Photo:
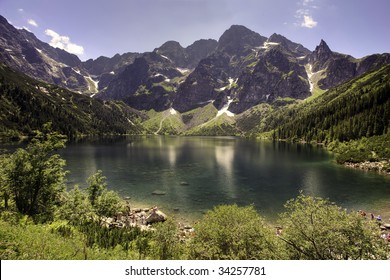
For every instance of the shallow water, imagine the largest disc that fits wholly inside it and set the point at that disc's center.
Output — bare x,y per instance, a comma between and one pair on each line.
197,173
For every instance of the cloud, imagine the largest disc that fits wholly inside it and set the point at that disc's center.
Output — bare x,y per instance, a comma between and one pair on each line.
32,22
20,10
304,13
307,2
63,42
308,22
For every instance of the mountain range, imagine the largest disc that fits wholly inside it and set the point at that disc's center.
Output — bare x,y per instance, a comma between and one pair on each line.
230,84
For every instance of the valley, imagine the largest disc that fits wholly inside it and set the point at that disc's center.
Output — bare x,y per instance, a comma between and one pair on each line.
201,131
243,84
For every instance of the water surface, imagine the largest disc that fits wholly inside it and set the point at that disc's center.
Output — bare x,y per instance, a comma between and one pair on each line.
197,173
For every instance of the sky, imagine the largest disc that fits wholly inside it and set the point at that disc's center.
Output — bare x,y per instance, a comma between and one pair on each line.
91,28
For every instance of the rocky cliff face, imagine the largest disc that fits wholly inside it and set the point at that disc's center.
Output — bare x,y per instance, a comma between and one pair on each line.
187,58
338,68
22,51
278,74
248,69
145,84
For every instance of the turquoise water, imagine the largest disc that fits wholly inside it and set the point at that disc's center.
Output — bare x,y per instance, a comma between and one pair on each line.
197,173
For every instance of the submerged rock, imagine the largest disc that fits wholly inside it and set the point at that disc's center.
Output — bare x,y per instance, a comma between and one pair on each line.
158,192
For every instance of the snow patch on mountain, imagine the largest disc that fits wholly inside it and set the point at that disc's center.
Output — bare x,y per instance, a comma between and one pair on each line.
93,85
183,70
267,45
172,111
224,109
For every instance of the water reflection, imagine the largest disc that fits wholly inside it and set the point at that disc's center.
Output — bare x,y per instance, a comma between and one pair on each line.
197,173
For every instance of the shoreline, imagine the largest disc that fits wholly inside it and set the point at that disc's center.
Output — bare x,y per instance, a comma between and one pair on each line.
368,166
178,217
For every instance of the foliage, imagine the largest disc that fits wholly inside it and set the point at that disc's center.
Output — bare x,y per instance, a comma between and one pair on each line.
166,244
232,232
108,204
96,186
374,148
104,202
35,177
48,242
77,208
104,237
316,229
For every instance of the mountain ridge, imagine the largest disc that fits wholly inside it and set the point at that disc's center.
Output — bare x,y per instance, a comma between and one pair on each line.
236,74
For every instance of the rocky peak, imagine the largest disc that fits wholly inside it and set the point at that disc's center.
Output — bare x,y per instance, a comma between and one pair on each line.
296,49
323,47
321,54
199,50
170,46
113,65
237,39
3,20
173,51
24,52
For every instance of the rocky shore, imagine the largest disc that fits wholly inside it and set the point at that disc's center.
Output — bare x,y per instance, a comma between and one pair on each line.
144,218
381,167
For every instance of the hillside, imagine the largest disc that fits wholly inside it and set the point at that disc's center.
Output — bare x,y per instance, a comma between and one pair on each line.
358,108
26,104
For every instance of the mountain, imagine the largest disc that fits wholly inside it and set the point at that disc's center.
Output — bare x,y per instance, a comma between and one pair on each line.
150,81
27,104
103,69
189,57
352,110
22,51
231,84
335,68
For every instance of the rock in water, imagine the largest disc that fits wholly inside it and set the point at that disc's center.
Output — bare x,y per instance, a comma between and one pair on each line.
155,217
157,192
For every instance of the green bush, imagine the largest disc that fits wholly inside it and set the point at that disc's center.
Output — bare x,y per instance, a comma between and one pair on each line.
316,229
232,232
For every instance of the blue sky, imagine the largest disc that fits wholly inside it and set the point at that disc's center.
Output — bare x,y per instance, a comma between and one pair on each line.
90,28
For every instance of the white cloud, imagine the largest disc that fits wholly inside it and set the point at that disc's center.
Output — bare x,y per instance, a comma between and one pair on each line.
63,42
20,10
307,2
32,22
308,22
304,13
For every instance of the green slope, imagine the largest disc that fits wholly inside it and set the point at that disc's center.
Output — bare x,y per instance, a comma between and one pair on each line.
356,109
26,104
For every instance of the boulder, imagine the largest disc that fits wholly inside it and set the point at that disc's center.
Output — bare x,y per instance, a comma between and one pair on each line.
386,226
155,216
158,192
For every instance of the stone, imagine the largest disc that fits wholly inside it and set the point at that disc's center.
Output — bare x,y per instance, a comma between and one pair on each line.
386,226
158,192
155,216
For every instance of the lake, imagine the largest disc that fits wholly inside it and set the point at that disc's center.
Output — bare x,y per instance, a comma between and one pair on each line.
193,174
